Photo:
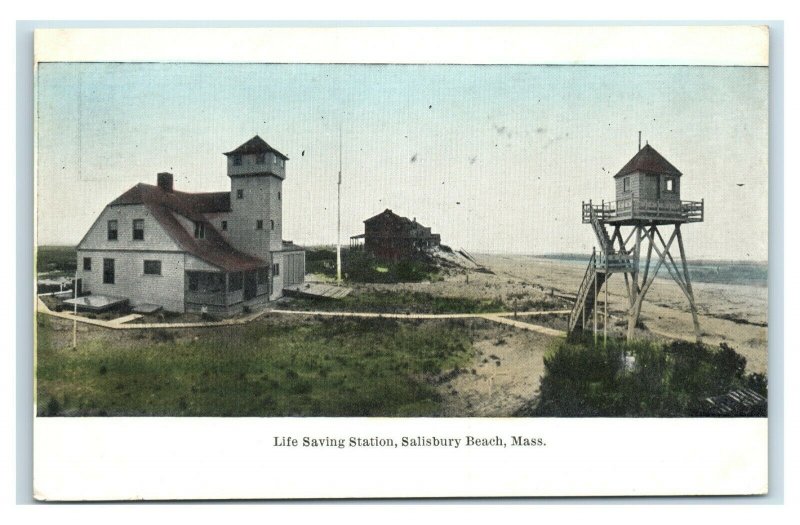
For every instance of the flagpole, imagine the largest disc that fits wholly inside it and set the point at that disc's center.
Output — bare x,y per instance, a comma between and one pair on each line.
339,214
75,312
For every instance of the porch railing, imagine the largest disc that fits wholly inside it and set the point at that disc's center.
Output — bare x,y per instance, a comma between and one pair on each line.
647,209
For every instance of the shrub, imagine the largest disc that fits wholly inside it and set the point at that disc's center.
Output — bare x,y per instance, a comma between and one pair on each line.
639,379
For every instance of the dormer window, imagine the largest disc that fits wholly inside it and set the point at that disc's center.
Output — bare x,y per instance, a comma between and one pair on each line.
237,160
199,230
261,158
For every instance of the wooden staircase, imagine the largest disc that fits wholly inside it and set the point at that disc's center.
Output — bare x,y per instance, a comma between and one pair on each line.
597,273
583,308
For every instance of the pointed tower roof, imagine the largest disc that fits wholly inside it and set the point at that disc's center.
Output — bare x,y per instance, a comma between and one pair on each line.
650,161
256,145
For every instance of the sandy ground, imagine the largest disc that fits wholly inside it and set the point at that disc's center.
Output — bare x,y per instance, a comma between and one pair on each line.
503,376
734,314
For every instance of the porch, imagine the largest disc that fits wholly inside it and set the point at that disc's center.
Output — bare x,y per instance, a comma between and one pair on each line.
220,291
631,210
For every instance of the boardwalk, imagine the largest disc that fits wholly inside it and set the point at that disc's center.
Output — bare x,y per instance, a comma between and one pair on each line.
124,323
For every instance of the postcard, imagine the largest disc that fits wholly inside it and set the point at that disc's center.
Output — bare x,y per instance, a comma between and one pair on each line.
401,262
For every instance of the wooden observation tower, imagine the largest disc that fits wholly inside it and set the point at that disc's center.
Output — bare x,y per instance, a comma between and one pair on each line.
648,201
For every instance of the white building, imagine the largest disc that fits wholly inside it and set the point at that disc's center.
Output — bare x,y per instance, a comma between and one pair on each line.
182,251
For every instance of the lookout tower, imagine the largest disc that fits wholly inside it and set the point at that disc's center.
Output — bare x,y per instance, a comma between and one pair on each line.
647,202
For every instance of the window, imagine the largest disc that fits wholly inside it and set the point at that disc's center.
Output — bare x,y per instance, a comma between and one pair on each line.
138,229
108,271
670,184
259,224
237,160
199,230
626,184
240,194
194,280
152,267
281,162
276,269
263,275
87,264
112,230
271,225
235,282
224,226
279,195
261,158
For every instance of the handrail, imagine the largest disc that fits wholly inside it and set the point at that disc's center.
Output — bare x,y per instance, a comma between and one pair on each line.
633,207
583,290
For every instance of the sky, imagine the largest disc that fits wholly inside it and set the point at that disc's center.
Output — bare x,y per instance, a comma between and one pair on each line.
495,158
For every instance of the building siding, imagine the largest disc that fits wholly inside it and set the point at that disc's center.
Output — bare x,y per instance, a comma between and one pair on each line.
155,238
294,268
165,290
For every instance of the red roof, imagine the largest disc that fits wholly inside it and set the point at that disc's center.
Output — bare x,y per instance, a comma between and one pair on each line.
256,145
650,161
165,205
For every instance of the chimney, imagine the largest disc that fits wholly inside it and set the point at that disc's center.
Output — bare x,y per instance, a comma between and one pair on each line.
640,141
165,181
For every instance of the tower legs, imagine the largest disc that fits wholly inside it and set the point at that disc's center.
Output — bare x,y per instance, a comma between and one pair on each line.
637,290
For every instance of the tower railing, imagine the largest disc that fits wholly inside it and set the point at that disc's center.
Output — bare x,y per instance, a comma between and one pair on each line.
634,208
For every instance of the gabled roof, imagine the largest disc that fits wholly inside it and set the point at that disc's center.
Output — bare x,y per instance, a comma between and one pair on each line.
388,214
166,206
256,145
650,161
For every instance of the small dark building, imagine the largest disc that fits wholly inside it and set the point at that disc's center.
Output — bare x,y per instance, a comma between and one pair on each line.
391,237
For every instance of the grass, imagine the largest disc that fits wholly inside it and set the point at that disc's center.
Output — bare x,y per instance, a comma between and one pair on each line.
361,267
661,379
56,260
399,301
370,367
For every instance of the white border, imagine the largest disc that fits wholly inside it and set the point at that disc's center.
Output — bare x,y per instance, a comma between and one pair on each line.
598,45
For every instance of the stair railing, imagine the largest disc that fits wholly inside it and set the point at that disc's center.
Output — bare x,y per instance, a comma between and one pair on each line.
583,291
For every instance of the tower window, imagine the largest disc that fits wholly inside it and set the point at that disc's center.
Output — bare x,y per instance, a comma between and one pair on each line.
259,224
261,158
199,230
138,229
224,226
112,230
240,194
237,160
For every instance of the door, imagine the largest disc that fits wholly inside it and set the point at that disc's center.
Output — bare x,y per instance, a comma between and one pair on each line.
655,186
108,271
250,285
